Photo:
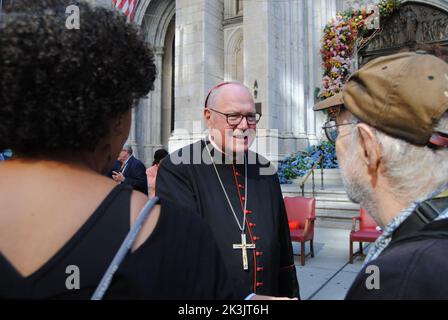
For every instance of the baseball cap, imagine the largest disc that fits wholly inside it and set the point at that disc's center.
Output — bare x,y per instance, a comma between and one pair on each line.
403,95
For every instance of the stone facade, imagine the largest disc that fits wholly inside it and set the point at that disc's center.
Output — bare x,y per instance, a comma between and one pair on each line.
271,46
415,23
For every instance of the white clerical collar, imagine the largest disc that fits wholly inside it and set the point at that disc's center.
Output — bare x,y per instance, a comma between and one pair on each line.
215,146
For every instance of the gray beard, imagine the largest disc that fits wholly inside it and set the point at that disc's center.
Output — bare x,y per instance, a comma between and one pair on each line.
357,187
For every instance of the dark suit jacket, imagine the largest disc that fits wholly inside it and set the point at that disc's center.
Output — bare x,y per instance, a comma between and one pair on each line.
134,173
116,168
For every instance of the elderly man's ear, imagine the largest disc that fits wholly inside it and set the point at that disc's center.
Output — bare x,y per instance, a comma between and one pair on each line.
207,114
371,151
207,118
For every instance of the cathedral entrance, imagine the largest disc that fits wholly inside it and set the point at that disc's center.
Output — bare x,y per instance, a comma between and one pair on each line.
153,119
168,105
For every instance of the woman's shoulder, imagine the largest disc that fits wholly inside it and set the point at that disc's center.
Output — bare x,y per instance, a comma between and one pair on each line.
152,171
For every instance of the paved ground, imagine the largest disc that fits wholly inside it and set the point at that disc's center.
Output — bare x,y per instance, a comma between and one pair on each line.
328,275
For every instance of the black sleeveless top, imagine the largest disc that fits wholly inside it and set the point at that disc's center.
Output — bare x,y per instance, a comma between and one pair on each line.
179,260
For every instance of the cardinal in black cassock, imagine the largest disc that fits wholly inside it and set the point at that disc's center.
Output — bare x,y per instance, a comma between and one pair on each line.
194,183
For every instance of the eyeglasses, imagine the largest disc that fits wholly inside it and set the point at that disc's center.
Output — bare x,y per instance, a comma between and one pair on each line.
331,129
235,119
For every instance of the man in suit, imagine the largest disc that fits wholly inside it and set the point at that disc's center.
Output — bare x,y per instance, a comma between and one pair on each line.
130,170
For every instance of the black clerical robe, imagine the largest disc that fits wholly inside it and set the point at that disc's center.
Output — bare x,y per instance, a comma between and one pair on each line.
188,178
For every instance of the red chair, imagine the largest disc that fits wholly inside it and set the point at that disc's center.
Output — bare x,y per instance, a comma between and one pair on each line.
301,216
367,232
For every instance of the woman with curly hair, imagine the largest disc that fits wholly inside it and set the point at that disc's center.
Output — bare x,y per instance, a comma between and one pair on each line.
65,111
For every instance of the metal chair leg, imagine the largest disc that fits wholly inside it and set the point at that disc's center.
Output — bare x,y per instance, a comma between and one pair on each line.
350,259
302,253
312,248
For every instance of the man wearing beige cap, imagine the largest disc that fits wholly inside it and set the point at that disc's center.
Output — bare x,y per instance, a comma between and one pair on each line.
390,126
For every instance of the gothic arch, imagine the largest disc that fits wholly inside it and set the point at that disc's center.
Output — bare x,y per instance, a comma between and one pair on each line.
234,55
154,18
439,4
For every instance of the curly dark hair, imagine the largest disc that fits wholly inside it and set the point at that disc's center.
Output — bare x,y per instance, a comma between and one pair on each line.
61,88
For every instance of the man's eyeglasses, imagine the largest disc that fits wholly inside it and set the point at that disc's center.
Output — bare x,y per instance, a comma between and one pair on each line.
331,129
235,119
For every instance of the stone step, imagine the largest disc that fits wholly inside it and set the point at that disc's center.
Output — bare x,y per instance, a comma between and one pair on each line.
335,219
337,214
333,223
328,172
336,180
333,207
336,205
330,176
333,190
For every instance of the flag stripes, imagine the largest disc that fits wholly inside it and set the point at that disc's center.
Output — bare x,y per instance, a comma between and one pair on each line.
127,7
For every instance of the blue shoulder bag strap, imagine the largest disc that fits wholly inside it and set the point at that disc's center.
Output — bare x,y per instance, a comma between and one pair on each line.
123,250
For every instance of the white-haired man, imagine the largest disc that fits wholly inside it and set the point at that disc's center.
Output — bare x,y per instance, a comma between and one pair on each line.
129,170
390,126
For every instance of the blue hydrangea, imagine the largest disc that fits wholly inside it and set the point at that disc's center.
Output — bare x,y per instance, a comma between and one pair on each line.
298,165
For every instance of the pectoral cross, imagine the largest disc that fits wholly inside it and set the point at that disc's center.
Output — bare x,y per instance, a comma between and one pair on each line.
244,246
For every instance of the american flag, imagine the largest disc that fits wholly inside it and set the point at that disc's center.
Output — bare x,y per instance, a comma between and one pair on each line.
127,7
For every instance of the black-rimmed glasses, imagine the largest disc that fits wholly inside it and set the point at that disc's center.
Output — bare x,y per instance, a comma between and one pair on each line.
331,129
235,119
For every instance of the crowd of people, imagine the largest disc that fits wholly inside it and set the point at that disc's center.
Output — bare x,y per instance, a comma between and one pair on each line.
130,170
219,228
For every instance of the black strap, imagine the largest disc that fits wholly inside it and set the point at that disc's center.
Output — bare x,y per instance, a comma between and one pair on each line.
428,210
413,228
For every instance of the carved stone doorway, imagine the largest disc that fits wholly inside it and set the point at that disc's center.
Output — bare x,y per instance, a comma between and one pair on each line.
413,24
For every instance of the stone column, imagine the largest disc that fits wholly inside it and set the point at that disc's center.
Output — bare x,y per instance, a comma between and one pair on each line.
282,52
302,56
256,68
199,64
131,139
151,115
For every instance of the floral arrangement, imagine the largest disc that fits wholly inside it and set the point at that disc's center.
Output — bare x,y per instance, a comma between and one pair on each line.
300,163
388,7
339,43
